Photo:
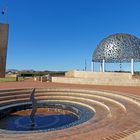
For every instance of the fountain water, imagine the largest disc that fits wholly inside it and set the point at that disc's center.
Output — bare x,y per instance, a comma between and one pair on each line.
29,114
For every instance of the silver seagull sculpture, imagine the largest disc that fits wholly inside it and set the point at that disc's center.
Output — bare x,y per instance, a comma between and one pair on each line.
34,107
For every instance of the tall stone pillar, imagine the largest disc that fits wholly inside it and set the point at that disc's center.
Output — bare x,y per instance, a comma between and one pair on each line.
3,47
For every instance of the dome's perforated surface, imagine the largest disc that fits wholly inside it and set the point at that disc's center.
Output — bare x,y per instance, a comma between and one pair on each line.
118,48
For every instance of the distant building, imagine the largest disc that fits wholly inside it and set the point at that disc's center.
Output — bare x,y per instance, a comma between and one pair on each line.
4,28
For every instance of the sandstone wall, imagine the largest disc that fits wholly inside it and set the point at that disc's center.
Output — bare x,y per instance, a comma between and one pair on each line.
98,78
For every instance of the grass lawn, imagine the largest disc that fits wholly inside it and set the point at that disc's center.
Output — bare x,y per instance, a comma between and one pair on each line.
10,79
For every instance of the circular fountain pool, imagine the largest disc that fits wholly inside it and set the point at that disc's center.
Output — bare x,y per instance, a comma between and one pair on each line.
87,114
50,116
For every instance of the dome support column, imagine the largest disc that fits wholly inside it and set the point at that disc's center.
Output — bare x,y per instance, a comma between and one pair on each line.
103,67
132,66
92,66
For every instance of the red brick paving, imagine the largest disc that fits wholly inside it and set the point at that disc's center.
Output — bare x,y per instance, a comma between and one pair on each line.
32,84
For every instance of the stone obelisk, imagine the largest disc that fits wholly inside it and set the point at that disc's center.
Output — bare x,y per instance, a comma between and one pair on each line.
4,28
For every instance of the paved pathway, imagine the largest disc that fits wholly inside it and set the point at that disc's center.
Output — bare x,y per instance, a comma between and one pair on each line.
66,133
32,84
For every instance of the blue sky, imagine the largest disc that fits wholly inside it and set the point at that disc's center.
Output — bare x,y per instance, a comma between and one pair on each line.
61,34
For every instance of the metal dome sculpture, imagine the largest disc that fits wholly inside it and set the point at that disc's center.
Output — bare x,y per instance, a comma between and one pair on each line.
118,48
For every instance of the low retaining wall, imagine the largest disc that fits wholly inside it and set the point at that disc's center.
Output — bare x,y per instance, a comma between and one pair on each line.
97,78
100,75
